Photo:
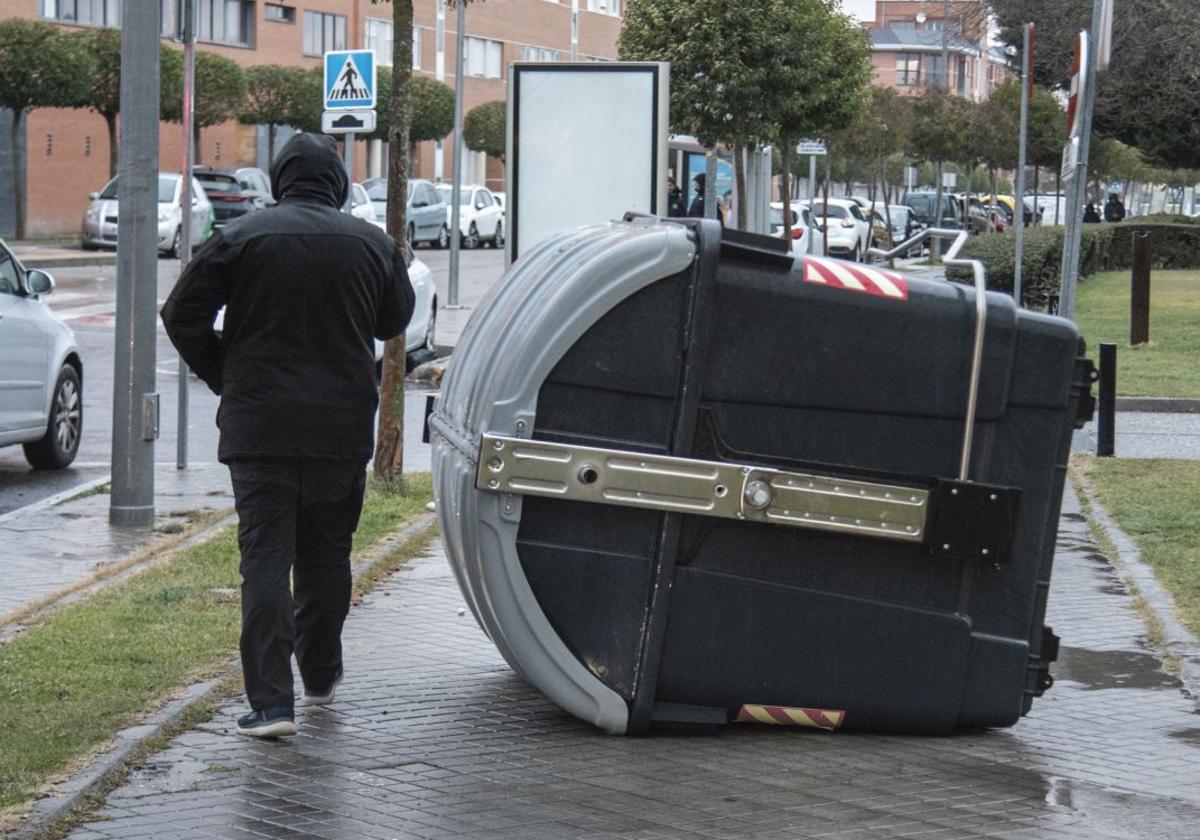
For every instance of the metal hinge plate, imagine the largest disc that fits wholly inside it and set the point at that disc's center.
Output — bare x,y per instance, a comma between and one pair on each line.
706,488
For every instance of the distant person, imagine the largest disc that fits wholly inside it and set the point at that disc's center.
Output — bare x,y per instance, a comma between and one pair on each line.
696,208
676,206
1114,209
1090,216
306,290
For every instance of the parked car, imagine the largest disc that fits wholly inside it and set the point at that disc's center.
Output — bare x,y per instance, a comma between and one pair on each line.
255,182
41,371
804,232
100,219
977,215
359,205
421,327
923,202
502,200
904,224
845,227
426,212
224,190
880,234
1009,204
480,218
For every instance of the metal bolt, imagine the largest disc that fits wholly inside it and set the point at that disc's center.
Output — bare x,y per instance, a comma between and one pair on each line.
520,425
862,492
496,464
912,529
984,552
498,445
758,494
992,497
945,546
494,483
954,491
912,498
508,508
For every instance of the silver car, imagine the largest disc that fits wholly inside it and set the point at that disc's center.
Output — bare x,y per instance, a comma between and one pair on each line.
41,372
100,219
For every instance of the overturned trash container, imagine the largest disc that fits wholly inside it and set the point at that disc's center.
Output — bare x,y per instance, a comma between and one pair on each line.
685,478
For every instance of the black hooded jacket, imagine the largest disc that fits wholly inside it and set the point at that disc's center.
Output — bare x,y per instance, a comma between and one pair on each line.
305,288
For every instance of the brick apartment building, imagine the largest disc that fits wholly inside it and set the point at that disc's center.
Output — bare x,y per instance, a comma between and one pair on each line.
907,42
67,150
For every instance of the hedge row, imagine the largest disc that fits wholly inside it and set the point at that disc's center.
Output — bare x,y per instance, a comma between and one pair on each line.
1174,244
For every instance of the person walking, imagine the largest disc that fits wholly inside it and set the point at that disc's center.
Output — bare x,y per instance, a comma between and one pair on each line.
306,290
1114,209
1090,215
675,204
696,208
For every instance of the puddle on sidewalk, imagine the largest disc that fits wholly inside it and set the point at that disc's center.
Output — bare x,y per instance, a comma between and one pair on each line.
1104,669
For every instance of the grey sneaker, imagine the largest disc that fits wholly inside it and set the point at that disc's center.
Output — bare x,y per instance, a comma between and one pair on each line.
276,722
324,695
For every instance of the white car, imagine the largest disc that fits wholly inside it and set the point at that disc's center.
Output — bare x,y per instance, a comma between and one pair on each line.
420,332
41,372
480,217
100,219
359,205
804,234
846,228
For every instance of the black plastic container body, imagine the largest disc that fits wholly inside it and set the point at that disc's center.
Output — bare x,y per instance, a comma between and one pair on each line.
754,358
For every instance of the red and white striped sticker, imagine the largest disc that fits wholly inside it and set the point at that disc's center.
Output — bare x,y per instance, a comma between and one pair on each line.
827,719
839,274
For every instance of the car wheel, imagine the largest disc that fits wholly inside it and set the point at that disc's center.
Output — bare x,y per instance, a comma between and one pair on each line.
471,240
88,246
56,449
176,244
443,240
410,236
856,256
498,239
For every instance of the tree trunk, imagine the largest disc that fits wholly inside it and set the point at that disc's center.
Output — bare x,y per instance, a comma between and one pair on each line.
110,119
18,168
1057,196
887,205
785,154
389,446
825,239
739,174
1037,185
271,128
197,158
1018,214
935,245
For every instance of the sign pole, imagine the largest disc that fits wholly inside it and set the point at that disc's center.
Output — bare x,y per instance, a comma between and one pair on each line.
1072,246
1019,215
135,403
185,222
349,156
456,180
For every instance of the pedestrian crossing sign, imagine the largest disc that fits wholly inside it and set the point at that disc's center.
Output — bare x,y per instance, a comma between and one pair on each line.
350,79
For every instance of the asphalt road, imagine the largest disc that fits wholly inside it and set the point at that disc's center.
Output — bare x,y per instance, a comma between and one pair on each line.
86,298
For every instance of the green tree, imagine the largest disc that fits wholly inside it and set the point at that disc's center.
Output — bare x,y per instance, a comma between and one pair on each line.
220,94
104,93
940,133
484,129
723,61
827,90
39,68
277,96
432,111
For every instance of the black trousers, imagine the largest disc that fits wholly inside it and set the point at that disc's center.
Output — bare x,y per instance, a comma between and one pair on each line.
296,516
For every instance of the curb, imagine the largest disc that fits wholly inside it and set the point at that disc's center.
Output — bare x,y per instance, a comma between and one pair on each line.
1161,405
88,261
1179,641
47,812
56,499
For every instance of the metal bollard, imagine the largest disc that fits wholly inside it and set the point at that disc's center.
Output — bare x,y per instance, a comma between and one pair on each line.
1106,415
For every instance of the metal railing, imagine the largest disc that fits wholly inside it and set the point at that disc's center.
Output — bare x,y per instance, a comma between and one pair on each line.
954,261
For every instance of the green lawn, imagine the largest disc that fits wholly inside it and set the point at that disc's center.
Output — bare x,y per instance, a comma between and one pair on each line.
1157,503
85,671
1169,366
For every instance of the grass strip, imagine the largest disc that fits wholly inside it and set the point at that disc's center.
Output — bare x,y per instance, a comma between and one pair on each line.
1157,503
1169,366
89,669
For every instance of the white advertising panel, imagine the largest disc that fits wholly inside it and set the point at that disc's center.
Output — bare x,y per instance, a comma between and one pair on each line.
586,144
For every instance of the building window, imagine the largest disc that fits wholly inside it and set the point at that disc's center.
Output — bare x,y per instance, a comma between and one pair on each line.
379,38
605,7
961,69
540,54
908,69
417,43
225,22
323,32
283,14
484,58
91,12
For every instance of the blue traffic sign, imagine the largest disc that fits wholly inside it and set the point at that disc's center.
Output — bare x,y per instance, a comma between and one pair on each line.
349,79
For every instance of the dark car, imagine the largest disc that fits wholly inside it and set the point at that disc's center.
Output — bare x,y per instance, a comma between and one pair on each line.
229,201
923,203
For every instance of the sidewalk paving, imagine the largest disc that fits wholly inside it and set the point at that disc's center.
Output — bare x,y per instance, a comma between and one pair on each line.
433,736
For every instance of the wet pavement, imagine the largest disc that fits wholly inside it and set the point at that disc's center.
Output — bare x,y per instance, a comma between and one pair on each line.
1141,434
433,736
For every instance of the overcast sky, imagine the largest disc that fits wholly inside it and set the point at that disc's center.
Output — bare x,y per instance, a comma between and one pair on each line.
861,9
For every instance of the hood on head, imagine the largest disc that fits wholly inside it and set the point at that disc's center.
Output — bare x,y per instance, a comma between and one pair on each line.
308,166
